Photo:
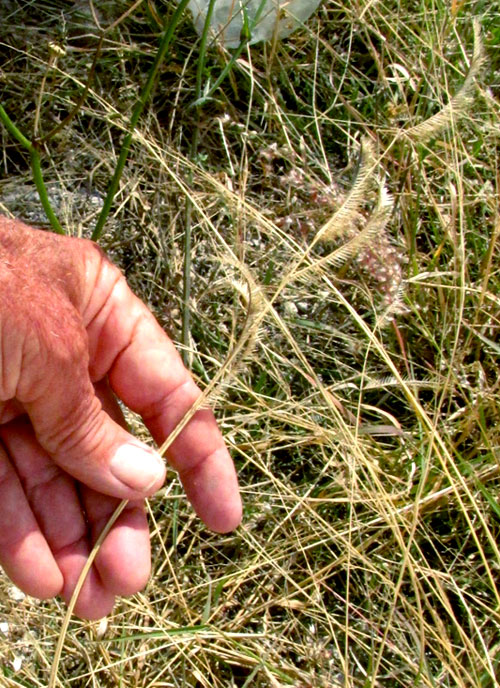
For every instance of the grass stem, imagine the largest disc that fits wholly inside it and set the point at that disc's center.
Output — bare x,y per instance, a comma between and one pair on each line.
36,168
170,26
42,191
186,281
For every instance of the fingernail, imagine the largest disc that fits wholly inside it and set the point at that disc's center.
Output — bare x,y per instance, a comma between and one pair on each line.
138,467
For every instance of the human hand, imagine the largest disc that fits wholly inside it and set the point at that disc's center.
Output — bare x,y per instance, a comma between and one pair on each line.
72,336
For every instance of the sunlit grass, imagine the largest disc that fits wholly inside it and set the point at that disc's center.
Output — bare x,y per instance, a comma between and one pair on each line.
363,420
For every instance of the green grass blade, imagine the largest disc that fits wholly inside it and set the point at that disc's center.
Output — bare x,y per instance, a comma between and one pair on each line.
168,33
36,168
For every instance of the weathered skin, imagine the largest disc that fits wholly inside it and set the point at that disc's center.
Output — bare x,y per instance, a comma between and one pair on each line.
72,336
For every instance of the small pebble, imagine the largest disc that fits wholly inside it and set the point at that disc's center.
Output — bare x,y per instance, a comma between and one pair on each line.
17,663
16,594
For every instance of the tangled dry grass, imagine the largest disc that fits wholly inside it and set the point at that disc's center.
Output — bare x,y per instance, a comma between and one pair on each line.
341,192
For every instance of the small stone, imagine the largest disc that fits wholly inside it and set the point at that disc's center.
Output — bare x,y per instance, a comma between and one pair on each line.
102,628
16,594
291,309
17,663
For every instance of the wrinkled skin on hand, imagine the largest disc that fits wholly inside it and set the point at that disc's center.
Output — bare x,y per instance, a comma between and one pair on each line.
73,338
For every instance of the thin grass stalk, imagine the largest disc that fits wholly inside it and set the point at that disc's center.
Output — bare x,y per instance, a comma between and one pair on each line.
81,99
51,63
203,48
36,169
170,26
186,279
74,598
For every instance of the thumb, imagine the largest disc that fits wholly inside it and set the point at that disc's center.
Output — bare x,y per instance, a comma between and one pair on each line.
81,436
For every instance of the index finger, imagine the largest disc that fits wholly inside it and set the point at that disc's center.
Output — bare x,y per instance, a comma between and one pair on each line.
147,374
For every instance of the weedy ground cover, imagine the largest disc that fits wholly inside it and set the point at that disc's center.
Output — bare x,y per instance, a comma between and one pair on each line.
336,194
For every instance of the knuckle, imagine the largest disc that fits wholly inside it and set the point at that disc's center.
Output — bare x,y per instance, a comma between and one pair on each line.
61,345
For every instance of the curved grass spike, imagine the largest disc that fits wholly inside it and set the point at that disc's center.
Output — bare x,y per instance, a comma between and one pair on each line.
36,168
374,225
457,105
170,26
347,212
